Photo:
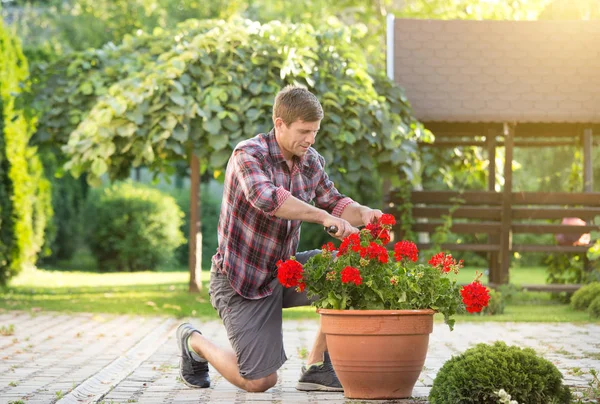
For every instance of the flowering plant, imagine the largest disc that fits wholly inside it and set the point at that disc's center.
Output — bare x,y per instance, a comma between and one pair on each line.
364,275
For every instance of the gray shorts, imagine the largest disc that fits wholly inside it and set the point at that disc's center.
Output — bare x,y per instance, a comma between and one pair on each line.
254,327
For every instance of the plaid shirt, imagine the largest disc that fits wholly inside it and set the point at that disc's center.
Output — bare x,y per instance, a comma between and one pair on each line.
257,183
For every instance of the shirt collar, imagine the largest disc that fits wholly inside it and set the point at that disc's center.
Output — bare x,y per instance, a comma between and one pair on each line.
275,150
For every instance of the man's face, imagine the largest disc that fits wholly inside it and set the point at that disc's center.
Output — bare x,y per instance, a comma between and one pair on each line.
294,140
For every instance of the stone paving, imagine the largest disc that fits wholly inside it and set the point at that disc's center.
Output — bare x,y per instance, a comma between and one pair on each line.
85,358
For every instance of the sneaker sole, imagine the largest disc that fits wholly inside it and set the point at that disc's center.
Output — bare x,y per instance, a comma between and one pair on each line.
317,387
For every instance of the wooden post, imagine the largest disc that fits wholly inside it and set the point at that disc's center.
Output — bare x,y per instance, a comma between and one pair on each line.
588,173
195,249
506,232
493,257
588,177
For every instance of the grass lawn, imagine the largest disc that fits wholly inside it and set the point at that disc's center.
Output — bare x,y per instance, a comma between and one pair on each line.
165,293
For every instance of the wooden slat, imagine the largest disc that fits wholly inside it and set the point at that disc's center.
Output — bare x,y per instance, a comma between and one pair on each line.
555,213
466,212
445,197
552,229
548,143
556,198
567,287
524,130
552,288
463,247
451,143
481,227
549,248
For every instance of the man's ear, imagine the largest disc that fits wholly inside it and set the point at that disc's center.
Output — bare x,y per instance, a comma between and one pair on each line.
279,123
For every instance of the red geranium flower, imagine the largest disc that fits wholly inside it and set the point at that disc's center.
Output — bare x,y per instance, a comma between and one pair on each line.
387,220
375,250
379,233
351,274
406,249
328,248
475,297
352,241
290,273
445,262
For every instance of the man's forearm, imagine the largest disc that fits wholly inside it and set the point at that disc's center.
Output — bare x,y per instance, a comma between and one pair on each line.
295,209
353,213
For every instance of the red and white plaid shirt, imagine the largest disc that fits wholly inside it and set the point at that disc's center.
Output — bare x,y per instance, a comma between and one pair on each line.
257,183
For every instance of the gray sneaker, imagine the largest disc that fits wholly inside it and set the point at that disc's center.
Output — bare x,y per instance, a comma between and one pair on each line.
193,373
319,378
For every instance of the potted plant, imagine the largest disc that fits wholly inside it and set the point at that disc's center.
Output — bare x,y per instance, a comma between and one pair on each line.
377,307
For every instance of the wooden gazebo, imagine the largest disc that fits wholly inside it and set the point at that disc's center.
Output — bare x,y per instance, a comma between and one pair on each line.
508,84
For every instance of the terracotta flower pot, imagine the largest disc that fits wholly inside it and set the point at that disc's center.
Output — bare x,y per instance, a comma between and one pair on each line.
377,354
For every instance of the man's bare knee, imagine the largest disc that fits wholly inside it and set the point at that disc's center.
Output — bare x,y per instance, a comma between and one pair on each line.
260,385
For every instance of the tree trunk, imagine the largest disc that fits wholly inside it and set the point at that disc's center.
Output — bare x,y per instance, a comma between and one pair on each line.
195,250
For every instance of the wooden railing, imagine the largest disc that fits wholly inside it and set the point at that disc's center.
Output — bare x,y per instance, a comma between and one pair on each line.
500,215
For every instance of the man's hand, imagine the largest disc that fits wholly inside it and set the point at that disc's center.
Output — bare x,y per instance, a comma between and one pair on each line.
344,229
369,215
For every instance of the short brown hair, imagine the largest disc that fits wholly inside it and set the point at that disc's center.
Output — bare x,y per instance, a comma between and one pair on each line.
296,103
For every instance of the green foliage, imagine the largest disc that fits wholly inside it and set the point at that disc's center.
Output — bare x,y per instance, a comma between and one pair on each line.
585,295
564,268
24,193
312,236
594,308
65,232
207,85
495,305
476,374
132,228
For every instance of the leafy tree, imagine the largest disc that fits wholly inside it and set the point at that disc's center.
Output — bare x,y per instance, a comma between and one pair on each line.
24,192
198,90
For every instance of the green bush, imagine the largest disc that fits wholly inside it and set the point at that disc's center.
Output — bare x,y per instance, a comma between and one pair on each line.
585,295
473,376
495,305
24,192
132,227
65,233
594,308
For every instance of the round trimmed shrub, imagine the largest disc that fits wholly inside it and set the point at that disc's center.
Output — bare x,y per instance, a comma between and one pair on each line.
132,227
594,308
473,376
585,295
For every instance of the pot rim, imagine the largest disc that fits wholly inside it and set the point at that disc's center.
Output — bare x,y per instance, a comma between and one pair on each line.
415,312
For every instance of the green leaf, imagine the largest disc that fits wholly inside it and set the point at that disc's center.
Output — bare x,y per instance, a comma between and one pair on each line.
127,130
219,158
252,114
219,141
212,126
169,122
177,99
148,153
333,301
98,167
180,134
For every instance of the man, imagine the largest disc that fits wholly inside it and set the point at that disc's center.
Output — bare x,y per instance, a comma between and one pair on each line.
270,182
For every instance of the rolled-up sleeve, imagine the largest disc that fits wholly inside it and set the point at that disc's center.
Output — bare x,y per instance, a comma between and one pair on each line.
327,196
256,184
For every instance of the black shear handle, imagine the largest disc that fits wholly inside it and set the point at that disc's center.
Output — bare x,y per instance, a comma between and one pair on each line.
331,229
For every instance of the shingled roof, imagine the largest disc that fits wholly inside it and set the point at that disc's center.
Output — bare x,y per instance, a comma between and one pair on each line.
499,71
